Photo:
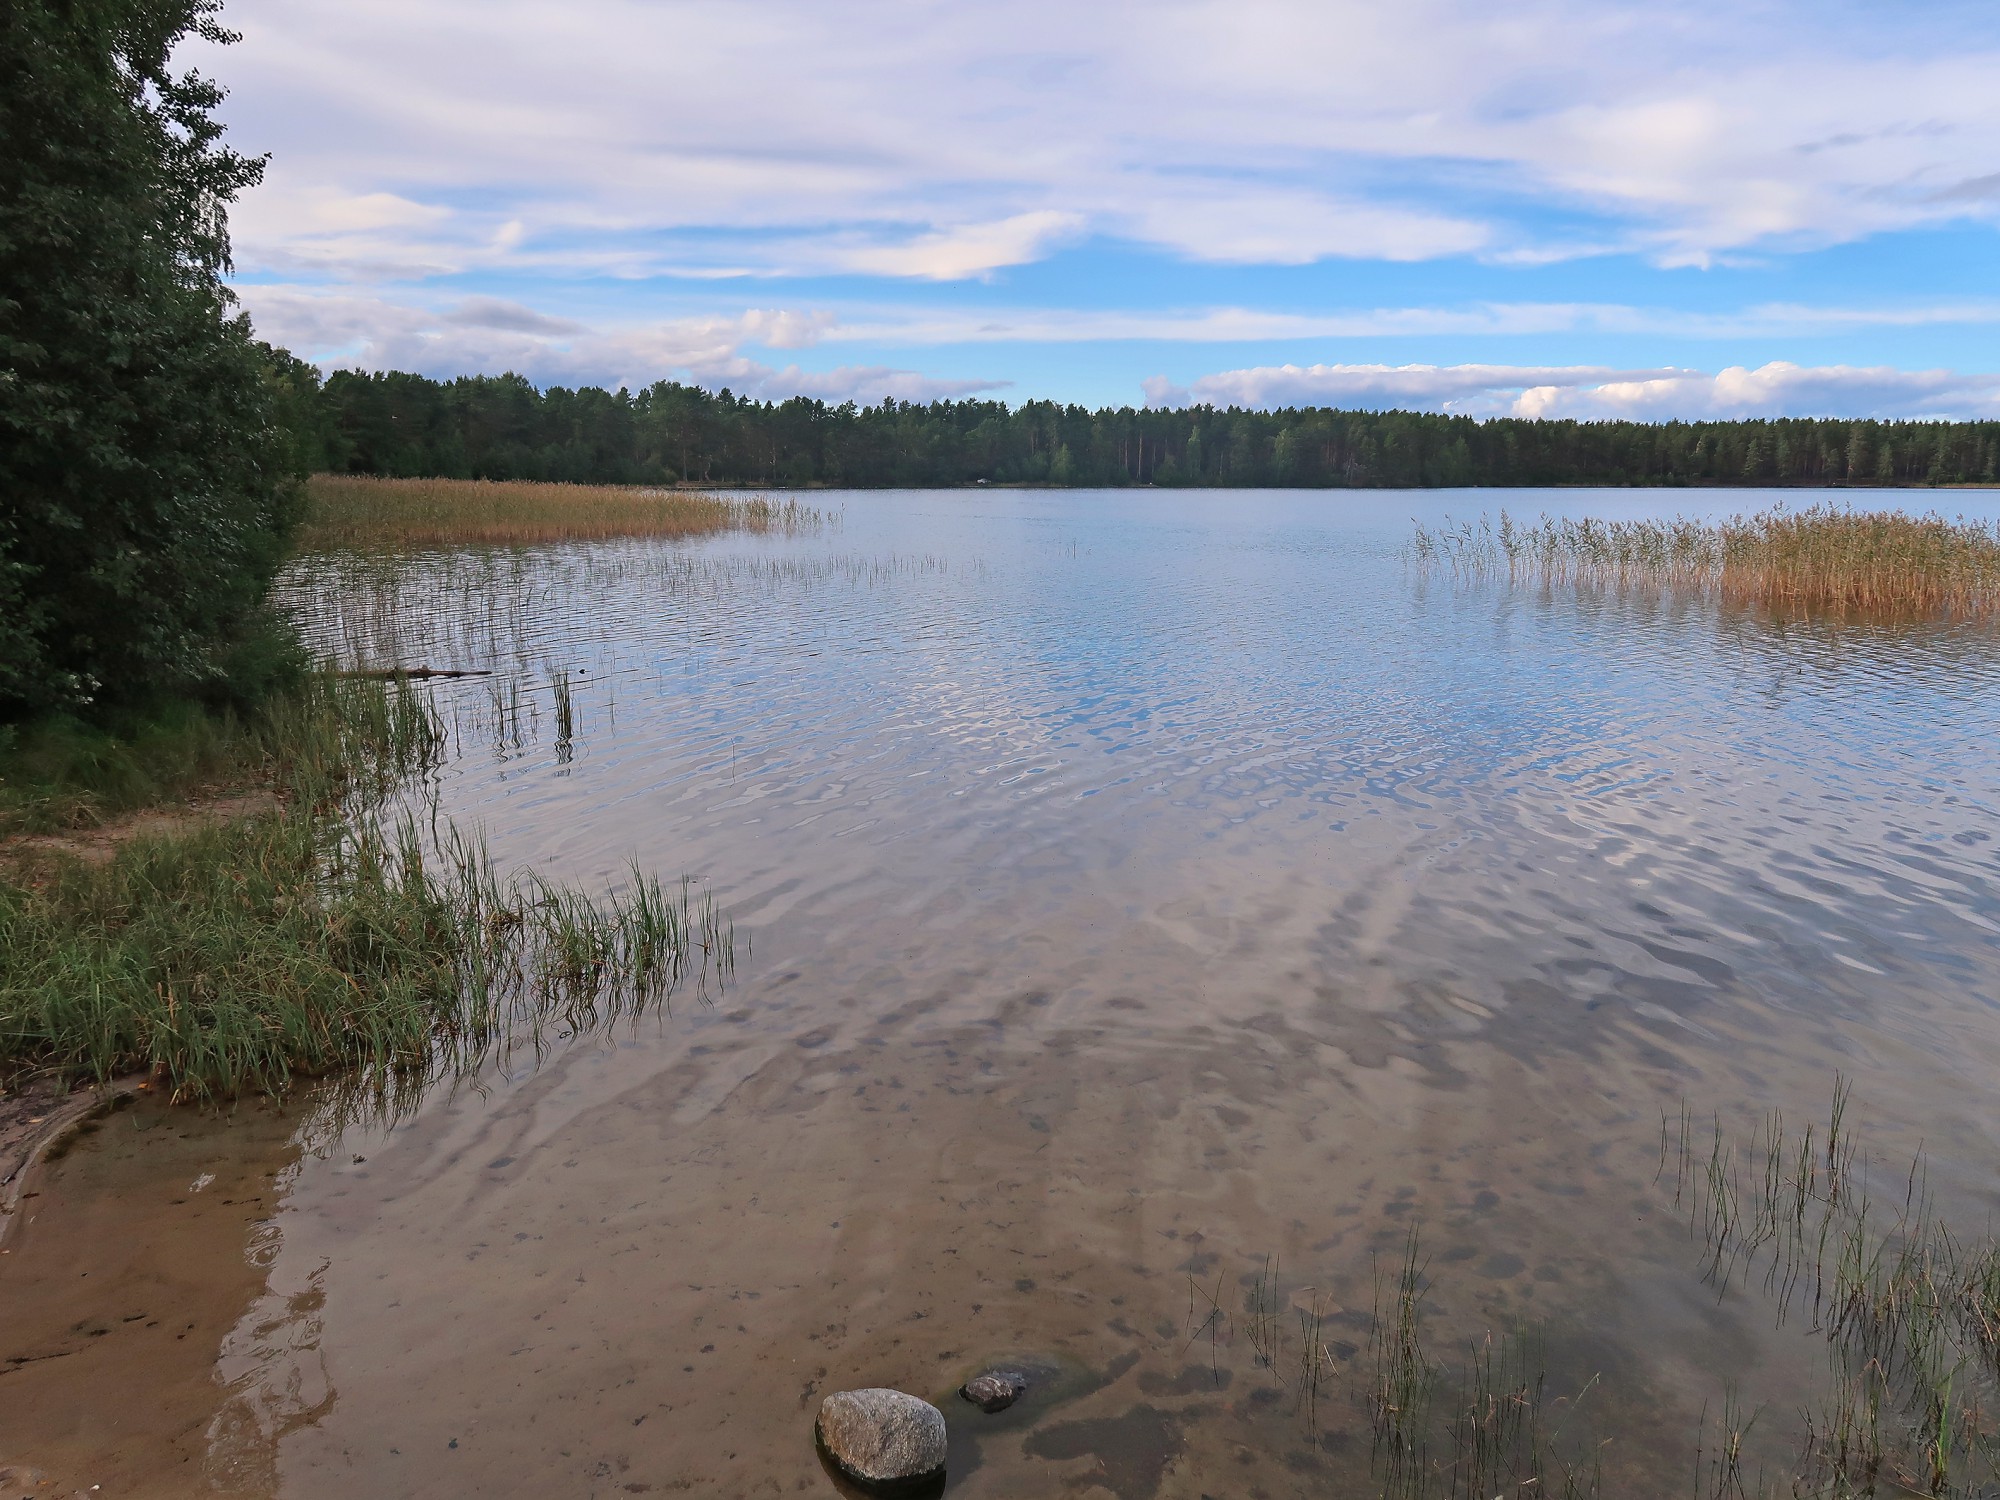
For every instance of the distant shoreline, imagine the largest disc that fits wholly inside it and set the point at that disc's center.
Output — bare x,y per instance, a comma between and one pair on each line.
819,487
504,427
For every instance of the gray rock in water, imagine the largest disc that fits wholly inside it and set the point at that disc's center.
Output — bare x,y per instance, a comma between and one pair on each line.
882,1438
996,1390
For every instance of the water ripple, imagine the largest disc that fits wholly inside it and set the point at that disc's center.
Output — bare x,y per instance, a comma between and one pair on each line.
1541,817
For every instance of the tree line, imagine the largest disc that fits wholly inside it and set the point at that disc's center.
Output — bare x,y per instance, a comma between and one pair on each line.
504,427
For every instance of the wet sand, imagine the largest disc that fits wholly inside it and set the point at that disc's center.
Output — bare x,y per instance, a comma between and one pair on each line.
143,1243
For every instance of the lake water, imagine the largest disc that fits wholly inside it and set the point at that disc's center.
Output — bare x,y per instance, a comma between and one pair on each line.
1151,907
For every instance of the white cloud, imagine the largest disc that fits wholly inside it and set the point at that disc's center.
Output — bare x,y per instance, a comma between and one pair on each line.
969,250
1285,226
1781,388
488,336
366,330
928,139
1586,392
1429,387
784,329
320,209
1243,324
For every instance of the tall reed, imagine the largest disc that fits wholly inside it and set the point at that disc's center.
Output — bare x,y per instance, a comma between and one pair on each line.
1871,561
365,512
1819,559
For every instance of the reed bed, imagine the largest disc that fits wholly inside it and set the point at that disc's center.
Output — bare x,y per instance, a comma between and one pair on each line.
364,512
326,934
1821,559
1868,561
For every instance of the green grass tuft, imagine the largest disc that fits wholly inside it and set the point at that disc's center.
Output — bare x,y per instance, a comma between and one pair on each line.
320,935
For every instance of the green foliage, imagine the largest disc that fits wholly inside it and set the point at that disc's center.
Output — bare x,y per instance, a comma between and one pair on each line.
62,772
502,427
314,937
304,422
149,485
235,956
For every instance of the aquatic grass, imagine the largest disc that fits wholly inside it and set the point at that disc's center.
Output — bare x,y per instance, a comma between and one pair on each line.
1212,1323
1679,552
1485,1430
363,512
518,611
324,934
1311,1366
565,711
1488,1429
1263,1328
1718,1470
1316,1362
1908,1309
1821,559
1405,1380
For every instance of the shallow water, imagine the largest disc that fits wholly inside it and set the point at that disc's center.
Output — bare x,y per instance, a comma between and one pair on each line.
1143,901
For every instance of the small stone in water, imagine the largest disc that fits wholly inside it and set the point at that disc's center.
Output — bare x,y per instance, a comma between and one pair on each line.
996,1390
882,1437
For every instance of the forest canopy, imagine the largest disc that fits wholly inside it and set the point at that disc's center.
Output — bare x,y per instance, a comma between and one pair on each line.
504,427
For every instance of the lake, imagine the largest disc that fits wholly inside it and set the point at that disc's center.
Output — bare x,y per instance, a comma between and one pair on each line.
1153,909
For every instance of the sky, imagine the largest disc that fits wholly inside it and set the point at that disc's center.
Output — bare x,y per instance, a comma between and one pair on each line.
1541,207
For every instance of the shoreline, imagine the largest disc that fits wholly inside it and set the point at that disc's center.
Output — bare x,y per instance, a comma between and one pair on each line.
37,1119
819,487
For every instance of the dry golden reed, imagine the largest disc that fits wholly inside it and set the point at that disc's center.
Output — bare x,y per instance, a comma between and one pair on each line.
1821,559
1871,561
363,511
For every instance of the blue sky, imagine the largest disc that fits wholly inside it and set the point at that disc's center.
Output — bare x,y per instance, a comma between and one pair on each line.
1566,207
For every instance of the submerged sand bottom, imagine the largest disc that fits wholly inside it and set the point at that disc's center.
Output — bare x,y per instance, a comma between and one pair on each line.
141,1244
638,1269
